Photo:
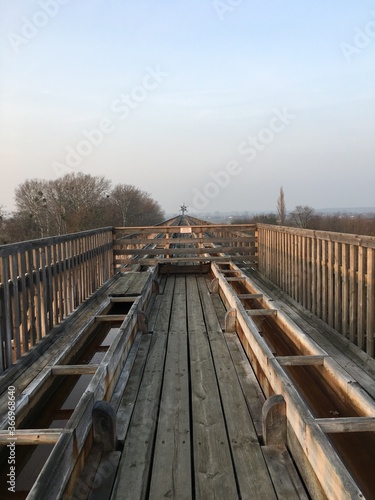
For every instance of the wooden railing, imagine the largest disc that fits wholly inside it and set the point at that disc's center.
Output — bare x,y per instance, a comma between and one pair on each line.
330,274
184,244
42,281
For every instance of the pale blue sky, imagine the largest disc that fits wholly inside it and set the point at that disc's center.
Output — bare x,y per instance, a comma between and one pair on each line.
225,68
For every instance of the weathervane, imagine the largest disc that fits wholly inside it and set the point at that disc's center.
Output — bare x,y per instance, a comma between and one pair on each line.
183,209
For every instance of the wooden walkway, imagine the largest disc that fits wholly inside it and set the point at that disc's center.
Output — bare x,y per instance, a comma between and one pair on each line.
190,417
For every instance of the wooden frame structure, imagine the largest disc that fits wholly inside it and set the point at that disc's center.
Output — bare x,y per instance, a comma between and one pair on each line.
142,245
330,274
43,281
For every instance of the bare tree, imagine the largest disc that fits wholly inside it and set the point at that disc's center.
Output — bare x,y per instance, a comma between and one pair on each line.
131,207
72,203
302,215
76,202
281,209
32,209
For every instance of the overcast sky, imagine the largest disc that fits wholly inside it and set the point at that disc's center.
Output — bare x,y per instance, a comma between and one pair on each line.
212,103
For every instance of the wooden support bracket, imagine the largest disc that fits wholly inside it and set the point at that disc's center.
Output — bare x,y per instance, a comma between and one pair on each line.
142,322
274,421
214,286
155,287
230,320
104,425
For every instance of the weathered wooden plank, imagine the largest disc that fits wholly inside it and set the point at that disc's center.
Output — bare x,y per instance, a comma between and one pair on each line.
126,402
285,478
131,284
370,317
124,377
16,307
32,436
110,317
203,258
171,473
353,294
134,469
261,312
183,251
250,386
330,278
213,469
73,369
7,311
105,476
361,302
346,424
250,295
250,469
24,305
337,286
123,299
301,360
344,292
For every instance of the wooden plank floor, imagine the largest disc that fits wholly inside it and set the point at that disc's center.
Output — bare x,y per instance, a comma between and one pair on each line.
189,416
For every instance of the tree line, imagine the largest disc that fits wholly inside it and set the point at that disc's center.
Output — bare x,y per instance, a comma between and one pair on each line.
73,203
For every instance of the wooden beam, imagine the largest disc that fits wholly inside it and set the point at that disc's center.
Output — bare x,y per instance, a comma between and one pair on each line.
123,299
236,278
31,436
111,317
73,369
346,424
301,360
250,295
261,312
